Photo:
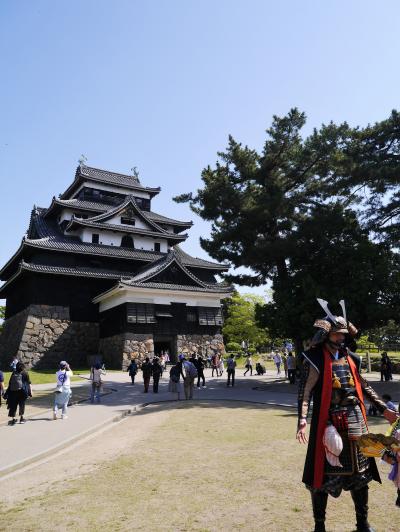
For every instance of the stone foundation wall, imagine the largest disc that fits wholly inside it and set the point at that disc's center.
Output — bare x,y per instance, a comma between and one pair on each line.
10,338
42,335
118,350
200,344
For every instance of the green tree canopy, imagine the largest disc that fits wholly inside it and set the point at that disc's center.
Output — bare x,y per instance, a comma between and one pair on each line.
240,323
291,215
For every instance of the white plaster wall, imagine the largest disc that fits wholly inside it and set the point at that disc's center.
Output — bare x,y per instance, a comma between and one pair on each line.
66,214
159,297
116,220
109,238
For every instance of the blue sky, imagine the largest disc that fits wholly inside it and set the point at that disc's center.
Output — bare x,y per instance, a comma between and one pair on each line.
159,84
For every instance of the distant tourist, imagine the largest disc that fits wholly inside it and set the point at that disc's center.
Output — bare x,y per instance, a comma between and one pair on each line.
291,365
146,370
200,364
96,374
162,362
221,366
132,370
249,365
63,390
214,365
386,367
14,362
388,400
285,366
18,391
189,373
278,362
156,371
260,369
174,377
230,369
166,358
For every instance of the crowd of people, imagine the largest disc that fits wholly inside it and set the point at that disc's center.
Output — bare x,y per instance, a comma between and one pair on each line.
186,374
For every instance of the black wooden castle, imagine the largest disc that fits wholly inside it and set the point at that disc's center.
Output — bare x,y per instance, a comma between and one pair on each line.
100,273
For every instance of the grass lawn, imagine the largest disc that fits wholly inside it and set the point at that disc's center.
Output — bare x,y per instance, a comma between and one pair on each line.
205,467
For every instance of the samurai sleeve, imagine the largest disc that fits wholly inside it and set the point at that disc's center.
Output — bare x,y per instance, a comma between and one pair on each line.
372,396
308,380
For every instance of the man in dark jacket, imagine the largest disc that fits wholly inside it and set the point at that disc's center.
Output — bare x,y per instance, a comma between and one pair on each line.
331,376
199,364
156,371
132,370
147,368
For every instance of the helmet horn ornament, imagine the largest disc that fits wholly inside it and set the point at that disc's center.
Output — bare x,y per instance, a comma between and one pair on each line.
343,305
324,305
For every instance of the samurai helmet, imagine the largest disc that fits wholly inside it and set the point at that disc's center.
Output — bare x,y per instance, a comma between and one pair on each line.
331,323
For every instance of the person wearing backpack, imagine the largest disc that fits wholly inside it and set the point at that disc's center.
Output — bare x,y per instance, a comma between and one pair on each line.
18,391
96,374
189,372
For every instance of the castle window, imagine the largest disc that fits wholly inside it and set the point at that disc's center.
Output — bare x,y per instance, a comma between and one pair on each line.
128,221
140,313
127,242
191,315
157,246
210,316
95,238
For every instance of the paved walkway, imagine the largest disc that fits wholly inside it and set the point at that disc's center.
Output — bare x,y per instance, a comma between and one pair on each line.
41,436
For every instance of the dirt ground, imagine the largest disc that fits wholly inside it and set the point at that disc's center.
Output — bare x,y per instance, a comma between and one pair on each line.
208,467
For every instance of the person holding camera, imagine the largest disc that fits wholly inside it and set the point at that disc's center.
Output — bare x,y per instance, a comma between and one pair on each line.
63,390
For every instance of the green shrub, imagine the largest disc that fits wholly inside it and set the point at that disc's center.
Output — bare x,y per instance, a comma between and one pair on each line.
233,347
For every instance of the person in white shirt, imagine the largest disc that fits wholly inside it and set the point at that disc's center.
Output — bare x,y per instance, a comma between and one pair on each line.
278,362
63,390
248,366
96,373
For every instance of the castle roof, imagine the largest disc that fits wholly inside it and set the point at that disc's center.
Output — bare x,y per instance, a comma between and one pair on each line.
99,208
105,177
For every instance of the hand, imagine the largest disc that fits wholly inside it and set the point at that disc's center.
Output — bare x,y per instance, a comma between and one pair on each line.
390,415
301,435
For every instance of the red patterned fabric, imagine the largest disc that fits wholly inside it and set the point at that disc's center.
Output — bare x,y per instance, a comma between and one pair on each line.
326,394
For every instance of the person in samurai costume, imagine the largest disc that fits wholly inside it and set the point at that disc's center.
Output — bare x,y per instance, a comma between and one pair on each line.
331,377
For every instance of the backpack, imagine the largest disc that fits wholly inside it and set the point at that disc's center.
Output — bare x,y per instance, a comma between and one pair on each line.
231,363
190,370
15,382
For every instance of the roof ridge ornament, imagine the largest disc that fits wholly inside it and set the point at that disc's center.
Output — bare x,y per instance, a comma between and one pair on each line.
135,173
82,160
